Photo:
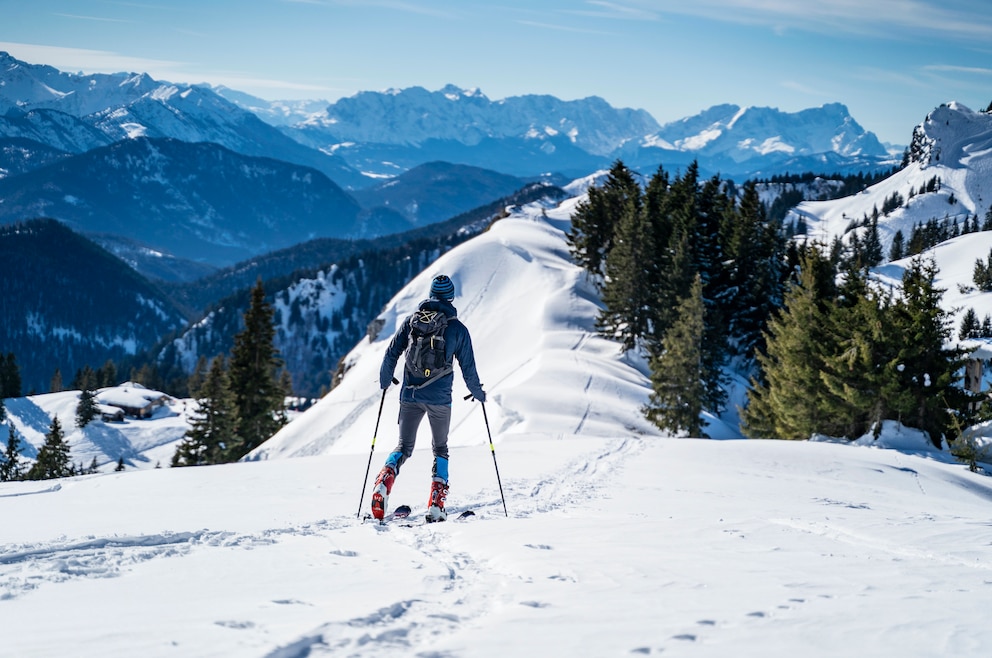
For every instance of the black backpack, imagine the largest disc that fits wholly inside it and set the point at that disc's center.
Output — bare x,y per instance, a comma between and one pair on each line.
425,355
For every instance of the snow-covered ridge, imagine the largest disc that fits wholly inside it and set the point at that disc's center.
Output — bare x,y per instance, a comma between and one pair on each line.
531,313
952,146
744,133
415,115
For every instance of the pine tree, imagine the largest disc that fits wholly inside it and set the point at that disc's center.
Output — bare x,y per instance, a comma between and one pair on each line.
898,248
856,372
11,468
53,459
784,401
970,326
10,377
755,254
85,379
594,221
678,377
120,464
107,374
254,374
982,275
925,395
872,247
629,292
55,386
213,434
86,410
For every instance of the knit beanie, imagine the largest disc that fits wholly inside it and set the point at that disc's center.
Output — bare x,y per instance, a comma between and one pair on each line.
442,288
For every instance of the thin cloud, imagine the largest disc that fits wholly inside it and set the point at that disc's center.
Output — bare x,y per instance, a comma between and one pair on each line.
101,19
616,11
946,68
396,5
101,61
561,28
90,61
882,18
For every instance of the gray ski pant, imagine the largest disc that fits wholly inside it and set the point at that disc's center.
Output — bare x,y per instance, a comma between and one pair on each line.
411,414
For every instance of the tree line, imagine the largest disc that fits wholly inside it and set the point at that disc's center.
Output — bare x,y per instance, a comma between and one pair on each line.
695,275
689,272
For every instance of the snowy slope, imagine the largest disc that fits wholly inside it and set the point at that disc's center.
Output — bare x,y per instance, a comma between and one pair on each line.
953,145
614,546
616,540
143,443
531,313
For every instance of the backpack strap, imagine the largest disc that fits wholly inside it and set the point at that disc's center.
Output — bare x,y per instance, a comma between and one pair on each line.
436,374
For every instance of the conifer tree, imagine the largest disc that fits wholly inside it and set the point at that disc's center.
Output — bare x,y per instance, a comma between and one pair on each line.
970,326
629,291
784,402
683,209
982,274
872,248
10,377
55,386
594,221
925,394
898,248
856,373
10,468
86,410
755,255
254,373
85,379
53,459
678,376
213,434
107,374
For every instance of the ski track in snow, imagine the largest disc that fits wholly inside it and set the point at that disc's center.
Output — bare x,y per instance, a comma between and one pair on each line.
468,589
26,567
471,587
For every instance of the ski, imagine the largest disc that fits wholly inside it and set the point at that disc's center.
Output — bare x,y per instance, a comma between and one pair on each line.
400,512
467,514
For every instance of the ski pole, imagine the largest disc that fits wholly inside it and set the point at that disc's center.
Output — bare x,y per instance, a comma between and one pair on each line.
365,482
492,449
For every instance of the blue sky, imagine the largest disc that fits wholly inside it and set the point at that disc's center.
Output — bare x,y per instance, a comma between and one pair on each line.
889,61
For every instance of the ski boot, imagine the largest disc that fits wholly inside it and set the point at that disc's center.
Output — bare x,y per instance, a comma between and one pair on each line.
380,493
435,505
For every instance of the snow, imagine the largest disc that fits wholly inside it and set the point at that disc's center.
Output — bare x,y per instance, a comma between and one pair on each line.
143,443
613,546
617,540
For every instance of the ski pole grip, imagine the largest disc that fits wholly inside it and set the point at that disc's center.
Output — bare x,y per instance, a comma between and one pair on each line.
467,396
396,381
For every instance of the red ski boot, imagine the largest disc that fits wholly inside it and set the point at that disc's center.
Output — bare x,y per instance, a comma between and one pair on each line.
435,505
380,493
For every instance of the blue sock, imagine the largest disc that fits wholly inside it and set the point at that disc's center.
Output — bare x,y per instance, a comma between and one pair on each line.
393,460
441,468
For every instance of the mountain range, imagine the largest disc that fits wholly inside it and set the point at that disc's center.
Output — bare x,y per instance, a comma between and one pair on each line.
171,174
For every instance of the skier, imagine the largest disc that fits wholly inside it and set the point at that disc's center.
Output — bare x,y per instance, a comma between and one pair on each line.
431,338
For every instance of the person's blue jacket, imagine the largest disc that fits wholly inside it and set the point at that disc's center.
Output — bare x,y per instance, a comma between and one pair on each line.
458,344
